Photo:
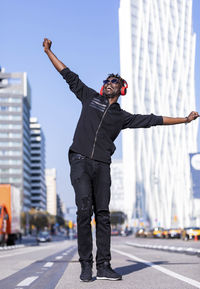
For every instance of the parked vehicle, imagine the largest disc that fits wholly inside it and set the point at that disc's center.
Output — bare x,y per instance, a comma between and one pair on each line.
165,233
44,236
10,209
157,232
148,233
140,232
174,233
115,232
190,233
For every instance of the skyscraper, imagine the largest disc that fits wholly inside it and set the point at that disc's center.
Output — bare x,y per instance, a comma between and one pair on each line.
50,175
157,54
15,105
117,190
38,184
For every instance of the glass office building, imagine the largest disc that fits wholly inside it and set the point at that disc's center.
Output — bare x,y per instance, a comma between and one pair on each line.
157,55
15,105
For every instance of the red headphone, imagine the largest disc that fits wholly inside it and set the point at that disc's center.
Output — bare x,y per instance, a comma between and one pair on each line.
123,90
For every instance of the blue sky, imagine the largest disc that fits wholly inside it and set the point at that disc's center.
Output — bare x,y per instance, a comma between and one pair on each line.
85,37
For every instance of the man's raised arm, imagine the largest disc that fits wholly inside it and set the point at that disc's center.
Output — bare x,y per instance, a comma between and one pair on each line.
56,62
176,120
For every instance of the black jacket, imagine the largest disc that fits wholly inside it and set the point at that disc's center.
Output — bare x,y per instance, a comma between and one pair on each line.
100,123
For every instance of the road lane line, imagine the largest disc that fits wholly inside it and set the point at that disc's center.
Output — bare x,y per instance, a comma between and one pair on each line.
27,251
48,264
27,281
59,257
161,269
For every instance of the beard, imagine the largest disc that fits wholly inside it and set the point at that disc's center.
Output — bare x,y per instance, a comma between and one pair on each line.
110,95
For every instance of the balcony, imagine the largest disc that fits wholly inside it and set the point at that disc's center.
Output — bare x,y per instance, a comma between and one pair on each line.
36,158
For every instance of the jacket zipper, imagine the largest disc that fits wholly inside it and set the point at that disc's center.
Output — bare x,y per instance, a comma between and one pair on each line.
92,154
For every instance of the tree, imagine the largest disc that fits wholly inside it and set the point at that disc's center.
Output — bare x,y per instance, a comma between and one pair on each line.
39,219
117,218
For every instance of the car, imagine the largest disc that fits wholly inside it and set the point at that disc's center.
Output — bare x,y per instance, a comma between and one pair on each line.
115,232
140,232
165,233
174,233
157,232
190,233
148,233
44,236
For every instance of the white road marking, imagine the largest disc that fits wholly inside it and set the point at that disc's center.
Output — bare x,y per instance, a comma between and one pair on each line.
48,264
161,269
28,250
27,281
59,257
166,248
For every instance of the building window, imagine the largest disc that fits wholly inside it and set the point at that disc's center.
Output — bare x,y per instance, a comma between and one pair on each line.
10,117
10,162
3,108
10,144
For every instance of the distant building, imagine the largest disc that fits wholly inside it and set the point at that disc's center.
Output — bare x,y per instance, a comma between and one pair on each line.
195,177
50,176
117,189
15,105
60,211
63,208
38,184
157,56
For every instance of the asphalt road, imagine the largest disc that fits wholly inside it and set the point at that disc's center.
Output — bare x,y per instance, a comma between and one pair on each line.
55,265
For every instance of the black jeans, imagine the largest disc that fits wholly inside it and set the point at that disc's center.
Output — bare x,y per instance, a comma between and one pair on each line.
91,182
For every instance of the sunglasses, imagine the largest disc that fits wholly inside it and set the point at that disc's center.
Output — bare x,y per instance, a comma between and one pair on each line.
114,80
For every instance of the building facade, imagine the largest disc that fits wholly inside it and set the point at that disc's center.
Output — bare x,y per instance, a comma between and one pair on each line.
60,207
38,184
157,54
117,189
15,105
50,176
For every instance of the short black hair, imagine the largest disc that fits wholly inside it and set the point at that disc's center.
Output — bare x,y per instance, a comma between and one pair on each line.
116,76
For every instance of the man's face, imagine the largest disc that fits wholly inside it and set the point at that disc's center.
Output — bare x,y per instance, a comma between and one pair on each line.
112,89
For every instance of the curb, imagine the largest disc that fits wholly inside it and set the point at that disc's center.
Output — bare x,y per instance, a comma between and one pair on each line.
191,251
5,248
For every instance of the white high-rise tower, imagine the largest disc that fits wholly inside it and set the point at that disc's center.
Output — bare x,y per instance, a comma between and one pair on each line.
157,52
38,185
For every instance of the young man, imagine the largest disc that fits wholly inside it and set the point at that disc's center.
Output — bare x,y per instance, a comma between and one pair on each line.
100,122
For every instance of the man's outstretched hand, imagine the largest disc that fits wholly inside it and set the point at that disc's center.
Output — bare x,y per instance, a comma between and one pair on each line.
55,61
177,120
192,116
47,44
